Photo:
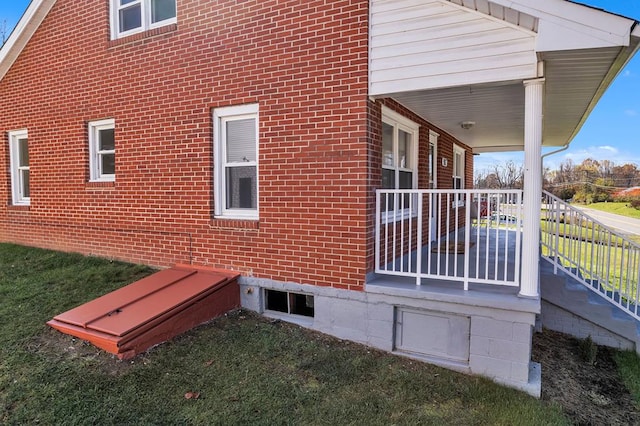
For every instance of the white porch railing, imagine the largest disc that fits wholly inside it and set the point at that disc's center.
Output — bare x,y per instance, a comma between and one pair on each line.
457,235
597,256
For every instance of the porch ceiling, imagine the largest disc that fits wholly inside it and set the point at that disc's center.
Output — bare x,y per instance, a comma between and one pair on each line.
574,82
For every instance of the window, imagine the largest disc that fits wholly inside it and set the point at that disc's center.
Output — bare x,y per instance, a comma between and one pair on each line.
458,167
19,153
236,161
433,155
399,158
458,173
289,303
133,16
102,151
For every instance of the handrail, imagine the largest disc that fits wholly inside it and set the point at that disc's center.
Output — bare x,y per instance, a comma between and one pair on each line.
596,255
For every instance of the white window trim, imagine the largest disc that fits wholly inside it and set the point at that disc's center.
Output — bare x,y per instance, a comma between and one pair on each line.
95,173
145,12
433,141
401,122
219,115
17,188
458,150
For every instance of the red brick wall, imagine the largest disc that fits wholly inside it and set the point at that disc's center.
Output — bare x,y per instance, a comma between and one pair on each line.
303,61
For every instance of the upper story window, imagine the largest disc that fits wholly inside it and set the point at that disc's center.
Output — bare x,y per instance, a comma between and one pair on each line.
134,16
102,151
236,161
399,158
19,153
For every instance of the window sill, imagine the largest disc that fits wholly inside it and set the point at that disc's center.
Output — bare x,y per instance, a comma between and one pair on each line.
143,35
292,318
19,207
100,184
240,224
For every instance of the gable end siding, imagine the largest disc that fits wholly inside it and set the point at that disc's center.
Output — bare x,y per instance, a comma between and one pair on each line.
419,45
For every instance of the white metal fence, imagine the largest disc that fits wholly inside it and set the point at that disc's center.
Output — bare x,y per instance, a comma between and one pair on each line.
597,256
457,235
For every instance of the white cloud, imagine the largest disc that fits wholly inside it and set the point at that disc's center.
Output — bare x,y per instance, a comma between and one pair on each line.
608,148
603,152
626,73
631,112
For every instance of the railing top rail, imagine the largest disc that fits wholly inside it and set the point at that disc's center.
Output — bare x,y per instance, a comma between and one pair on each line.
597,222
450,191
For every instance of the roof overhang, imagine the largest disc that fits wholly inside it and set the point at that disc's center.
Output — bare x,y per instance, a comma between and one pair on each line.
580,50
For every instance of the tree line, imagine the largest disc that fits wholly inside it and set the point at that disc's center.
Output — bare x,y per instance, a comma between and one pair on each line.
588,182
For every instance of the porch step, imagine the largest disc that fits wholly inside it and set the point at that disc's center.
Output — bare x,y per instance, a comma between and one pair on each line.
588,313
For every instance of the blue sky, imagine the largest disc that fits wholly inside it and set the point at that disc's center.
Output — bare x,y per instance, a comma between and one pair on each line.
612,131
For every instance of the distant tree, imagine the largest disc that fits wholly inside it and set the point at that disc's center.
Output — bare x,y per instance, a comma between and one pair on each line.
501,176
626,176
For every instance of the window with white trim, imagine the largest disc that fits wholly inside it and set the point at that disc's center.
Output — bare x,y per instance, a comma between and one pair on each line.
102,151
134,16
399,159
433,156
20,179
236,161
458,173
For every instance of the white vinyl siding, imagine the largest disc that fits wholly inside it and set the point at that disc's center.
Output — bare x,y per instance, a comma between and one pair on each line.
102,151
133,16
20,172
236,161
434,44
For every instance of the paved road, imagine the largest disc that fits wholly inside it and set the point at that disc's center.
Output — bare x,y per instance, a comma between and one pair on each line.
626,225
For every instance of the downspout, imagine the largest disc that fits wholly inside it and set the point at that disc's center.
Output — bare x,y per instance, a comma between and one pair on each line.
564,148
548,154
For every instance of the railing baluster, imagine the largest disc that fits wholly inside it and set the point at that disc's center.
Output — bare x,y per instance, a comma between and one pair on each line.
419,246
438,241
467,237
478,231
432,201
402,239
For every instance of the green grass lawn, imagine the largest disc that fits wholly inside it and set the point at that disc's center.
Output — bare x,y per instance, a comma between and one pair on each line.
239,369
617,208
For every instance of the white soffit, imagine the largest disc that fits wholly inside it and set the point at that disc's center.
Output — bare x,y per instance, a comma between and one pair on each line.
565,25
501,12
26,27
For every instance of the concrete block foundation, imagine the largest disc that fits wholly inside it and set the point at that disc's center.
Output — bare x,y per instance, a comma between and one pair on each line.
470,332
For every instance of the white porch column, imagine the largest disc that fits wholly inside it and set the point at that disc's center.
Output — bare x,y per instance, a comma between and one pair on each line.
534,93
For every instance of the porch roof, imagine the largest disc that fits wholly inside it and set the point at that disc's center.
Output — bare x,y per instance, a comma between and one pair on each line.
480,52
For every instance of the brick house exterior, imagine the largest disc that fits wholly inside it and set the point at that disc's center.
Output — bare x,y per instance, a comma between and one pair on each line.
257,136
304,64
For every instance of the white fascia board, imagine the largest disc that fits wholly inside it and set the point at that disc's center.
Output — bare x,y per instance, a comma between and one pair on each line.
22,33
565,25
